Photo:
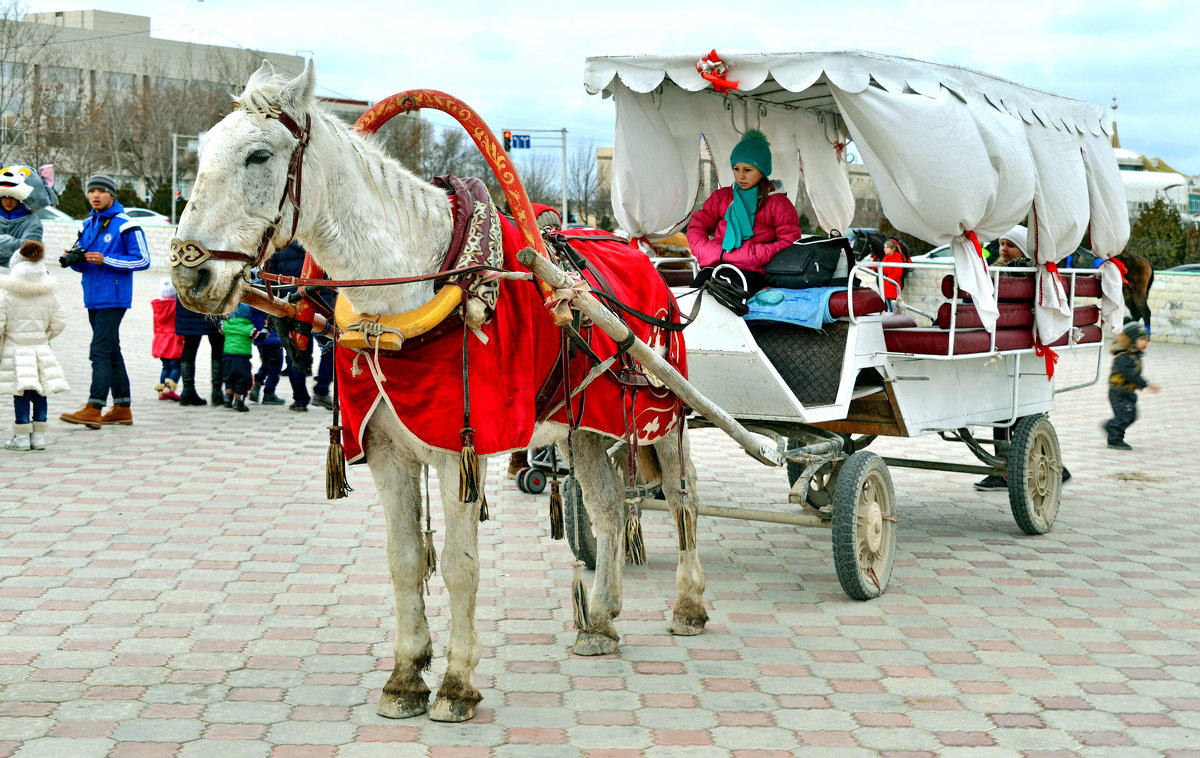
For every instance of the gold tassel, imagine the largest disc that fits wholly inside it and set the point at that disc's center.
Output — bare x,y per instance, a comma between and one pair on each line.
468,469
556,512
580,601
635,548
483,509
336,485
429,558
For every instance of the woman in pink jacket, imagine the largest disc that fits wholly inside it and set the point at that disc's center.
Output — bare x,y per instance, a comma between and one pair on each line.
745,225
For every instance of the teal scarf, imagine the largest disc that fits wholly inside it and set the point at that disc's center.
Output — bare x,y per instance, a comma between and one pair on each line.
739,219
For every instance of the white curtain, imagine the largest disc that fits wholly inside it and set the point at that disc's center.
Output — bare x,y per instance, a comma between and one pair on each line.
1110,221
1058,221
922,152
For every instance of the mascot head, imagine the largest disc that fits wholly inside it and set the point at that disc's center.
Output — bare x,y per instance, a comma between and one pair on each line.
26,185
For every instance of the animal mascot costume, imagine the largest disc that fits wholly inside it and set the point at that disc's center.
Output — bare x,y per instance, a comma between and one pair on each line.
17,223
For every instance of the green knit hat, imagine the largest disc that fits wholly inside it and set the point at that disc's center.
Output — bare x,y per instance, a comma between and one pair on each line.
753,150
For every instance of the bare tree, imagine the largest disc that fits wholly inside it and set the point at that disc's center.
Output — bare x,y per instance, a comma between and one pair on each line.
22,48
583,181
542,176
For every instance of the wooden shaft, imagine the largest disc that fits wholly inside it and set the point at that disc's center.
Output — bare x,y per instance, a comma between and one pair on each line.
604,319
256,298
745,514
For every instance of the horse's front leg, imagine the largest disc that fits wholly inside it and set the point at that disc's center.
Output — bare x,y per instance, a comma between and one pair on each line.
602,490
397,479
689,616
459,564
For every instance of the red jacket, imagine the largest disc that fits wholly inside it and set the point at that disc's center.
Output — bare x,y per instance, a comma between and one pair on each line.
166,344
895,273
776,226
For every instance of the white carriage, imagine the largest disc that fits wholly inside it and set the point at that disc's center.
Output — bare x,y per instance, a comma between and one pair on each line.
956,157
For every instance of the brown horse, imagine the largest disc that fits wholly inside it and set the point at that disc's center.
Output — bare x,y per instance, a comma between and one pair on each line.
1139,277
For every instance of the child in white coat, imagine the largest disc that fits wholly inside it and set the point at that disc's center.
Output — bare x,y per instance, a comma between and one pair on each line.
30,316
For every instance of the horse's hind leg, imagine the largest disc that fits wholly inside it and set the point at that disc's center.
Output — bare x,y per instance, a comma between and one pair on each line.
602,491
457,696
689,616
397,480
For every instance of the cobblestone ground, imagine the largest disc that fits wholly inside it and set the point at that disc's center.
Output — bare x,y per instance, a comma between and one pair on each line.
181,587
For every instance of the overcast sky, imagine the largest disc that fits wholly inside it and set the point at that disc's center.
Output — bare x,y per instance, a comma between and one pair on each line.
520,64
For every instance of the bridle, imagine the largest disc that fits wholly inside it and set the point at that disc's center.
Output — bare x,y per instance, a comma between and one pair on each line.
190,253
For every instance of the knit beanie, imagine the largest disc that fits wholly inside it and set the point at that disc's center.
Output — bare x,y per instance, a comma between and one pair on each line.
166,290
753,150
1019,236
1134,330
102,182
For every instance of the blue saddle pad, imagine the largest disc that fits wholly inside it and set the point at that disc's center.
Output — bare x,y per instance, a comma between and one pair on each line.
807,307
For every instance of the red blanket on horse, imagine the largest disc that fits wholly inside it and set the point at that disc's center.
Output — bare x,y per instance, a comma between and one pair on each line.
423,385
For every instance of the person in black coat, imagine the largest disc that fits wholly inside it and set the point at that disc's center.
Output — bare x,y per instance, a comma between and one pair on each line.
194,327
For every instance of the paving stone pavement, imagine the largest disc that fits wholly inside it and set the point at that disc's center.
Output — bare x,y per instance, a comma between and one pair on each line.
181,587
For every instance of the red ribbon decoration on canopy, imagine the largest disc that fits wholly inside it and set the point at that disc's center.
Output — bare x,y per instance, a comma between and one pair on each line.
1120,267
713,69
1051,357
974,241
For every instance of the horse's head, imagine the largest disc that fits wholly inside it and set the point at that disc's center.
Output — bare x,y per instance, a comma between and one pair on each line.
234,217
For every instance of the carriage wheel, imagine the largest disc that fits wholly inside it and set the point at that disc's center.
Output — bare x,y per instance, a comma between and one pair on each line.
864,525
577,523
520,479
534,481
1034,474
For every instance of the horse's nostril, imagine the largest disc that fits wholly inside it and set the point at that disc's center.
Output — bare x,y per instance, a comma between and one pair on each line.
202,275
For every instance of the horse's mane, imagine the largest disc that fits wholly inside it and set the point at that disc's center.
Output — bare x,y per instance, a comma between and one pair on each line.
263,100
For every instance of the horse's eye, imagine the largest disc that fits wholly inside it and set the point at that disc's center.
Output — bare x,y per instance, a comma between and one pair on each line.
258,156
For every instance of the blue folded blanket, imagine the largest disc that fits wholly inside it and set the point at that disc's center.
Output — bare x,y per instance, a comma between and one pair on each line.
806,307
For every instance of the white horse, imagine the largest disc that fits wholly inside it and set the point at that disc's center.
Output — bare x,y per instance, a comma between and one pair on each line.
364,216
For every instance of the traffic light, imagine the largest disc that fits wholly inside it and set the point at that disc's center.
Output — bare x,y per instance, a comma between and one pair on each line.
507,140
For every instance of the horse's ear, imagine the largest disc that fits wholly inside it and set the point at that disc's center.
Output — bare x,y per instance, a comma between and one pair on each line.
297,93
259,77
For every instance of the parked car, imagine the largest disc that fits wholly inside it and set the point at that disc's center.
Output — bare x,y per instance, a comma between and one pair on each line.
51,213
1185,268
147,216
942,254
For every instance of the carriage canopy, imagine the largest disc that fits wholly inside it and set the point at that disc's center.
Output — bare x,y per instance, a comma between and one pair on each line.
953,154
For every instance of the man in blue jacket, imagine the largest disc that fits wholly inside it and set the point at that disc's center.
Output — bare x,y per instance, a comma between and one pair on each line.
115,247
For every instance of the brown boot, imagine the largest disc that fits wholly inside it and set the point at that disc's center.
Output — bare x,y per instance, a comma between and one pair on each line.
88,415
517,461
118,414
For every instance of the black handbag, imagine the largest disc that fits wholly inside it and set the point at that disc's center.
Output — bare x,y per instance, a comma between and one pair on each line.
808,263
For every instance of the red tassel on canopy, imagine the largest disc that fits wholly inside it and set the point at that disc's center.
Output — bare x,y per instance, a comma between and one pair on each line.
713,69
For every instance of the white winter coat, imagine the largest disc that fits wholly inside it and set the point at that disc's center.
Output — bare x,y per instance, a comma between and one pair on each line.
30,316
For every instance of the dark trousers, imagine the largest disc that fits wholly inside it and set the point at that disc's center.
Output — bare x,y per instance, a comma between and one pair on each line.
270,358
296,375
1124,408
236,370
108,365
22,404
191,346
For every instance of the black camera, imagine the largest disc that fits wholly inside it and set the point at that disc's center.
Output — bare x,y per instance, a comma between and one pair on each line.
72,256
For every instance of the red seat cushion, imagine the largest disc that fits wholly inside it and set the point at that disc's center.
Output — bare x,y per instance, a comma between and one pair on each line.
866,302
1012,315
930,340
1015,288
1086,314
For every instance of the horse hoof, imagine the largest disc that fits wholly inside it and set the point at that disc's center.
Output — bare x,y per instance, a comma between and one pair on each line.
590,643
451,710
686,627
402,708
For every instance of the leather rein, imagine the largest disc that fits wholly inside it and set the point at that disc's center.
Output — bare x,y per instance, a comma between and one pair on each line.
191,253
